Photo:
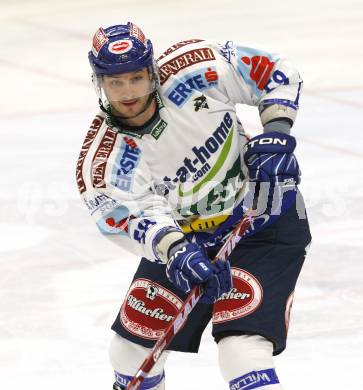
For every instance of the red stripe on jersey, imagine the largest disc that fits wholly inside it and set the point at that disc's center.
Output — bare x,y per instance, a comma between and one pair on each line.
99,161
91,135
171,49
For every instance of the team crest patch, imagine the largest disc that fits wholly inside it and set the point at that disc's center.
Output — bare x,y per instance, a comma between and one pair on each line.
120,47
243,299
200,102
148,309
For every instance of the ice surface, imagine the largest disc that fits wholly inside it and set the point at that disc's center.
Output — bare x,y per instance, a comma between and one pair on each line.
62,283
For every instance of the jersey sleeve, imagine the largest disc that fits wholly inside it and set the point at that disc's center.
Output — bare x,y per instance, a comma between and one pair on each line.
259,78
116,187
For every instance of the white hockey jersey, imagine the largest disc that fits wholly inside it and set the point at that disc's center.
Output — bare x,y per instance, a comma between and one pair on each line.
190,164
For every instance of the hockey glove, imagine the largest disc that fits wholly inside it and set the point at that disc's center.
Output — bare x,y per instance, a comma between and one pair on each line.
188,266
269,158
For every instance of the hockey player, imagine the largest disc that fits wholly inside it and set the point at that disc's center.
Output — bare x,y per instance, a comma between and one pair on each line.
163,171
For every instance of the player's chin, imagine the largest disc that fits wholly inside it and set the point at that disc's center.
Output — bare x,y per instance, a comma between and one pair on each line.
130,102
129,107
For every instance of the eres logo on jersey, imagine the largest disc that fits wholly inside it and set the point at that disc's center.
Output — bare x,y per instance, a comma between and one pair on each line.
128,160
180,92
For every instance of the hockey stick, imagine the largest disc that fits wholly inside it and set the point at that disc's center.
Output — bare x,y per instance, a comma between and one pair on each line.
189,304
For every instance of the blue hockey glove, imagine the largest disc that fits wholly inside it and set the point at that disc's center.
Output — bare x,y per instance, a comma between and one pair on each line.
269,158
188,266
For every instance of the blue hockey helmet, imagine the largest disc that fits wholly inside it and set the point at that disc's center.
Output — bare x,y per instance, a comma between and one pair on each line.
120,49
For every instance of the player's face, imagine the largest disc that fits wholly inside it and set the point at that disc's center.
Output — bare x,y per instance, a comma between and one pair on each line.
128,93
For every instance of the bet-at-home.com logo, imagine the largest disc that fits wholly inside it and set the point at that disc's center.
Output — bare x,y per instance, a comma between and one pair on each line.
197,166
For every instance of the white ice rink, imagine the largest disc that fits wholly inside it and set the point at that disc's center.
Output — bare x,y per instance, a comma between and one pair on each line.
61,282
